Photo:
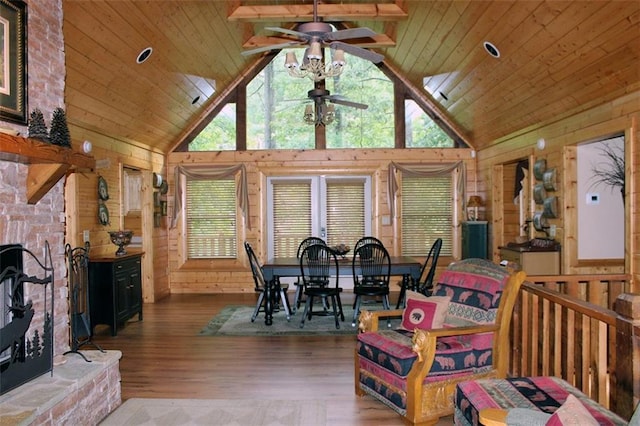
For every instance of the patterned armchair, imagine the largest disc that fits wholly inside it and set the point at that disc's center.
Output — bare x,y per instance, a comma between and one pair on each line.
416,372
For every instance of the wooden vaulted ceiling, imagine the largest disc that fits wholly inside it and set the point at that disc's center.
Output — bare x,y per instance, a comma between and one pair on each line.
556,58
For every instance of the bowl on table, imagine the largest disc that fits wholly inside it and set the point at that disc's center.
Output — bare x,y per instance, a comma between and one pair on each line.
341,250
121,239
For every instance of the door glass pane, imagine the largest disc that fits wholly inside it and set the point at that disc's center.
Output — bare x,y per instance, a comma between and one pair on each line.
291,216
345,211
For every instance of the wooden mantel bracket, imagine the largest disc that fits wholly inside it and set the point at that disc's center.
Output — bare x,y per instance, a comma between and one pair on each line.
47,163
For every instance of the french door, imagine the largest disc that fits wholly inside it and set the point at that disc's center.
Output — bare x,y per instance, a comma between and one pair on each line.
334,208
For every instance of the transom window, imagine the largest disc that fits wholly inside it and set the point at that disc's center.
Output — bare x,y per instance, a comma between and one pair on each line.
276,104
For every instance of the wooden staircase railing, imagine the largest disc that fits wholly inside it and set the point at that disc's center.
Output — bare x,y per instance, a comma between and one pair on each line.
566,326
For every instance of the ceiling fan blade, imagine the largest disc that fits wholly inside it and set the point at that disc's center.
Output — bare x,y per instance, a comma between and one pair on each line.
339,101
374,57
295,33
271,47
350,33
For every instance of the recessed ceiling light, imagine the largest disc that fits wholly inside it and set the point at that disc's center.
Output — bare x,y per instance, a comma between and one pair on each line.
491,49
144,55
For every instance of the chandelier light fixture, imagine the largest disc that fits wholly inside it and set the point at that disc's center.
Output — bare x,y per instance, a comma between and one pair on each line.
322,116
313,65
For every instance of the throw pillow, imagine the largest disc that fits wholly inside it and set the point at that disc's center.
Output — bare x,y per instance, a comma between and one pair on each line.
425,312
572,413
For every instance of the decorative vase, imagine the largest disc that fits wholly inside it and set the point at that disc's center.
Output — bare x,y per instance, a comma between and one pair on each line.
121,239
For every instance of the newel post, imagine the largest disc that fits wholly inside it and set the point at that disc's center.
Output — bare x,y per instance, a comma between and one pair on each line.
627,383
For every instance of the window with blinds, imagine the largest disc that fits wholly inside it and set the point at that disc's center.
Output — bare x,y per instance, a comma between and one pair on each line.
211,219
427,214
345,211
291,215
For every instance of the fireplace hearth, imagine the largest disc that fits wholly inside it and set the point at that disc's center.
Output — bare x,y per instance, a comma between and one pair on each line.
26,318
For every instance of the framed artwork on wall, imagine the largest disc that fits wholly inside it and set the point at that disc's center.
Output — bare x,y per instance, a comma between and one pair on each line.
13,61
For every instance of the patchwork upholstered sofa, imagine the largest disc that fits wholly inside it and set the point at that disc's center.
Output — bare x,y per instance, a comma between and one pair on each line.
414,369
528,401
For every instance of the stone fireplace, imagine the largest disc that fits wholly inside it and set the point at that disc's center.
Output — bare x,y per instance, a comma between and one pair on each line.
78,392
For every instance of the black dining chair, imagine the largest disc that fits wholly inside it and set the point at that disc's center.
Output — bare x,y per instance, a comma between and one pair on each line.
278,290
424,284
318,265
374,264
366,240
297,297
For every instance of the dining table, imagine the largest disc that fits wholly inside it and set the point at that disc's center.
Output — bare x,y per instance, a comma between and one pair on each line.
276,268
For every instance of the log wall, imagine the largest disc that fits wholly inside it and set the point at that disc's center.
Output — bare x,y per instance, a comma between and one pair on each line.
235,276
562,138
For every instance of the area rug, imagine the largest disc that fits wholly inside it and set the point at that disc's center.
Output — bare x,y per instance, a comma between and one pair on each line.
227,412
236,321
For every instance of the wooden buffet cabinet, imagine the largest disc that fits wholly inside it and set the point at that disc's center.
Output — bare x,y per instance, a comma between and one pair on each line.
115,290
533,262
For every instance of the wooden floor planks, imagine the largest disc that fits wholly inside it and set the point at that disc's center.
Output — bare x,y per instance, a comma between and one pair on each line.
163,357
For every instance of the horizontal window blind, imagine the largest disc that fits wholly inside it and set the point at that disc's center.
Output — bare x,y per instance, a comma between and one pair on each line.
291,215
211,219
345,212
427,214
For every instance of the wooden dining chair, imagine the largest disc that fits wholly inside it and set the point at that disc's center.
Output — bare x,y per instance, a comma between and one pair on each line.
261,286
366,240
374,264
424,284
318,266
297,297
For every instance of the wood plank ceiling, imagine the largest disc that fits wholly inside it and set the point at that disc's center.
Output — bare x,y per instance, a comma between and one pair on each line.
556,58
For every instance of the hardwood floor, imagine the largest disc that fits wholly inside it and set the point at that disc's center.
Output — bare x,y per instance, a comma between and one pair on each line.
163,357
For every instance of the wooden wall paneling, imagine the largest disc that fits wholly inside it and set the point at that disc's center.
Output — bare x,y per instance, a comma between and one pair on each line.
218,276
496,215
110,158
598,122
569,236
632,197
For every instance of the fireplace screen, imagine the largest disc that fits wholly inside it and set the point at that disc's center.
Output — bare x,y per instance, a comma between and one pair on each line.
26,318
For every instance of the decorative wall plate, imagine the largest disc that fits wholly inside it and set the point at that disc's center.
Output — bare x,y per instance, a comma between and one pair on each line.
540,222
539,193
164,187
550,207
103,214
103,189
539,167
549,179
157,180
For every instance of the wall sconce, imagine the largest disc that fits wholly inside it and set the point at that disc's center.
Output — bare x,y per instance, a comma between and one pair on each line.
475,201
541,144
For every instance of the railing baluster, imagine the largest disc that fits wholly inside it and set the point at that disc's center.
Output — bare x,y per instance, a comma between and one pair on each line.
572,333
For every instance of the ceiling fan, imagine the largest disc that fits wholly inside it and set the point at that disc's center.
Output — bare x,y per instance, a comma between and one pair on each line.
318,34
324,114
321,95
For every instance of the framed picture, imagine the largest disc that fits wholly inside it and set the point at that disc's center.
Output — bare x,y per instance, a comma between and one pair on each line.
13,61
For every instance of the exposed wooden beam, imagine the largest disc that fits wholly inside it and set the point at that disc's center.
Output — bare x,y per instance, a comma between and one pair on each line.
328,12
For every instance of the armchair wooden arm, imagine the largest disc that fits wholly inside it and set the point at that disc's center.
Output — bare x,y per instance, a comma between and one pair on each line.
369,320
